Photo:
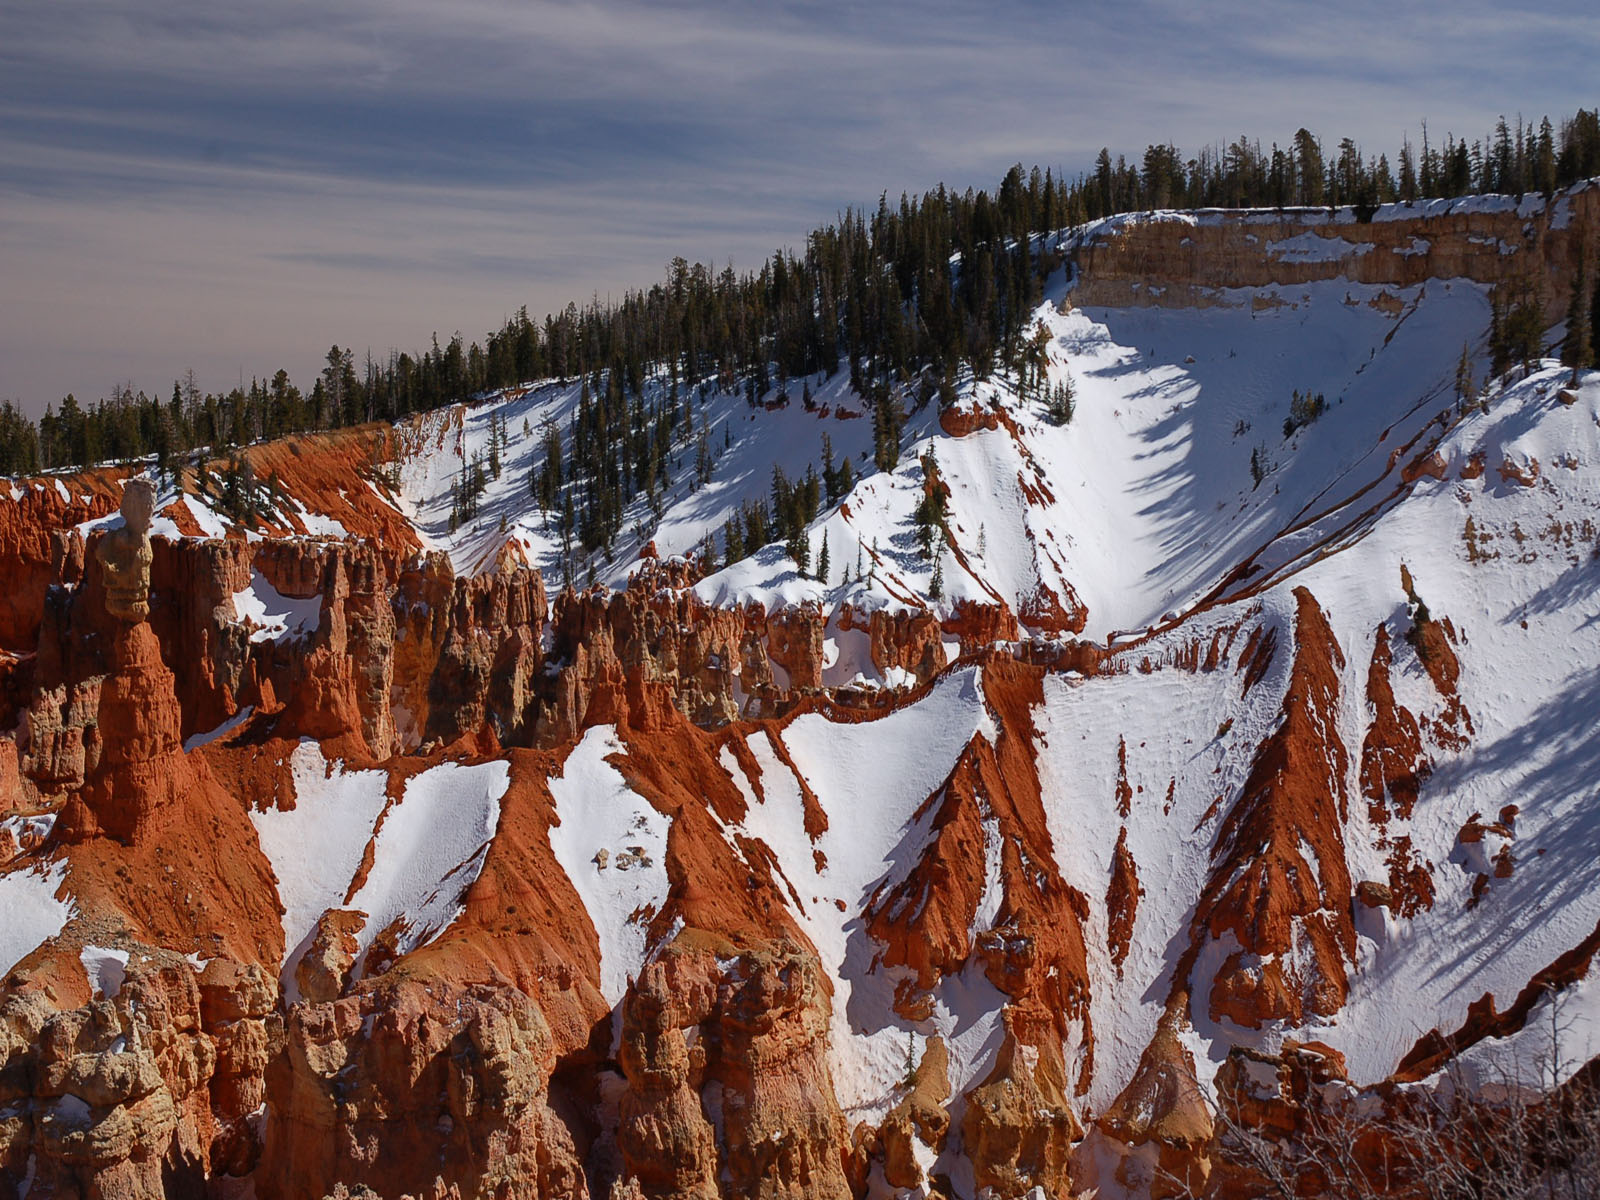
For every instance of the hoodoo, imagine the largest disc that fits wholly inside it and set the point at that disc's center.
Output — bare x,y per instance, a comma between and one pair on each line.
1080,701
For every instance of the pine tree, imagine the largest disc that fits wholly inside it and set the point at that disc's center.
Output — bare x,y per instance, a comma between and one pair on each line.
930,511
1466,389
1062,403
1576,350
936,583
1594,324
822,560
799,548
886,423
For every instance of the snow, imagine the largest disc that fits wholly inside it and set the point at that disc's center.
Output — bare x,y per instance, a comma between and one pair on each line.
429,849
596,810
105,968
318,525
1145,500
1561,1034
1529,628
1314,248
19,833
743,443
872,780
1529,638
1142,507
316,847
210,523
1168,720
275,617
196,740
34,913
160,526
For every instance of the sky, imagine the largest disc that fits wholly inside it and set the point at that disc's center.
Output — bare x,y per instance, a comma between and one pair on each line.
233,187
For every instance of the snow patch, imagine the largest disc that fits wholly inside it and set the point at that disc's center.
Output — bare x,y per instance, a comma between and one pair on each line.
602,818
275,617
33,914
430,849
105,968
196,740
316,847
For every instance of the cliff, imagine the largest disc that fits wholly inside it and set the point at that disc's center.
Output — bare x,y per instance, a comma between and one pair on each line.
353,853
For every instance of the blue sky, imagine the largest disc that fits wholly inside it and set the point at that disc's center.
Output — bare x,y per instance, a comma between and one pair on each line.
232,187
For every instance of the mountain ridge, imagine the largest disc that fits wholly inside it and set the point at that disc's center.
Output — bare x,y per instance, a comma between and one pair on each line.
1001,888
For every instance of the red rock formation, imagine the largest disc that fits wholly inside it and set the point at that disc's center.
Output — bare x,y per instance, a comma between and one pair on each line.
140,1094
404,1081
920,1116
1122,901
748,1044
1393,765
1018,1128
979,626
1158,1131
488,1062
958,420
1262,889
31,545
907,640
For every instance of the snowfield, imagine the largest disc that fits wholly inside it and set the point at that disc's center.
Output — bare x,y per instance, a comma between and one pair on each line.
428,849
1176,467
1175,514
316,847
612,844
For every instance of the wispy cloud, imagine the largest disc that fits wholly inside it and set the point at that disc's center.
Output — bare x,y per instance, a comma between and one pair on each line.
230,186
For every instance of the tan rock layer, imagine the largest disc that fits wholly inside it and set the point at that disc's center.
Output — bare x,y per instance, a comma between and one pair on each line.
1173,263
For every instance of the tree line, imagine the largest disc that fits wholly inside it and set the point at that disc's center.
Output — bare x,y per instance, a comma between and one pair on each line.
902,296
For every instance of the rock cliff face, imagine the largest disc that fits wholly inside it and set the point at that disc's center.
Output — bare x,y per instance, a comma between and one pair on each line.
335,866
1183,259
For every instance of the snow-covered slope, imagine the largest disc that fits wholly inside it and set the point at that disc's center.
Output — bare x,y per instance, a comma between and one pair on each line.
1278,734
1134,510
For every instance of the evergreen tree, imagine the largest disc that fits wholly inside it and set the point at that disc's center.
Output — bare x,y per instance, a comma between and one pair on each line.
886,423
1408,173
1522,332
905,295
1466,388
822,560
1062,404
930,512
1577,351
1594,323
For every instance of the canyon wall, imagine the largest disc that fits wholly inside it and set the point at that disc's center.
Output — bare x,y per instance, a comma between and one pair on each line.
1194,259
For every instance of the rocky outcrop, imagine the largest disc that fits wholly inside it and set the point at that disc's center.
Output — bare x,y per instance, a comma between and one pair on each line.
1177,259
147,1090
408,1081
1019,1129
919,1123
151,1042
728,1084
1291,917
1156,1136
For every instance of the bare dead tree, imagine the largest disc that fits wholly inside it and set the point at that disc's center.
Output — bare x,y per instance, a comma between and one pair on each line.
1531,1133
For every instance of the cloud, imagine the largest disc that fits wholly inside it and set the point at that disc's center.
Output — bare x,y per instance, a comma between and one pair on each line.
227,185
